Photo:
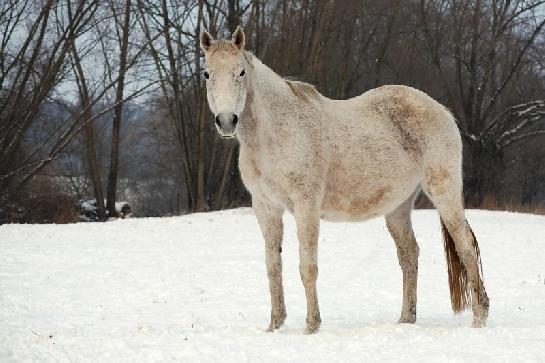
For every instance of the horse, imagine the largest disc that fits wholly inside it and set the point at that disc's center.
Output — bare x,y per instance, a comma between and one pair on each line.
342,160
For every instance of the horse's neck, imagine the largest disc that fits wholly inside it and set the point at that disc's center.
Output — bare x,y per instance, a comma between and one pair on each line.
266,89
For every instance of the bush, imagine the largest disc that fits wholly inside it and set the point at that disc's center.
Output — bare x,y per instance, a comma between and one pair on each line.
49,208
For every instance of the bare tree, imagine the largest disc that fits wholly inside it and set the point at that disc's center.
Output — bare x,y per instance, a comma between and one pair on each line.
30,72
489,47
123,35
89,130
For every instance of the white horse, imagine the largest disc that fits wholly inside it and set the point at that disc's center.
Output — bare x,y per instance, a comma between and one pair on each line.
342,160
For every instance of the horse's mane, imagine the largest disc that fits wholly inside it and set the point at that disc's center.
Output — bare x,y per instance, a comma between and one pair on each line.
304,91
222,45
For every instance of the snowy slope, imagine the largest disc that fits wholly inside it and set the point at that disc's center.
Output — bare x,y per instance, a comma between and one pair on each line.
194,288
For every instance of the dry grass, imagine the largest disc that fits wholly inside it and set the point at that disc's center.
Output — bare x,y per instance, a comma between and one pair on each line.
489,202
42,202
51,208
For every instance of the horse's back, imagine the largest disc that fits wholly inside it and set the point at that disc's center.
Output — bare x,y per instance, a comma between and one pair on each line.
408,108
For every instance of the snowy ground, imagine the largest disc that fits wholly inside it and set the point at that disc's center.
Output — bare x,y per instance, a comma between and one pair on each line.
194,288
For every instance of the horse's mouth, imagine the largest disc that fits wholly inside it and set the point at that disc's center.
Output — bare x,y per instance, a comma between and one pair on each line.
225,135
229,134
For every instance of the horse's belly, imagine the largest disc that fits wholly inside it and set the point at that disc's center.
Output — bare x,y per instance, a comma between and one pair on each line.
342,216
358,201
357,208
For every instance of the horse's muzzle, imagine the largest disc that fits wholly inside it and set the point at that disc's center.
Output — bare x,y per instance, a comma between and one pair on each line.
226,123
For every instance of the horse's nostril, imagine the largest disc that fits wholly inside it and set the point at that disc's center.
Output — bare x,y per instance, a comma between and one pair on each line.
218,121
235,120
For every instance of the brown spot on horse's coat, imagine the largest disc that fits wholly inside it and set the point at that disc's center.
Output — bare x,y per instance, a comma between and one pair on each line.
436,180
403,116
360,206
296,179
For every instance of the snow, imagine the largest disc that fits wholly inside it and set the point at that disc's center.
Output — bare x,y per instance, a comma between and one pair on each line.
194,288
119,206
89,212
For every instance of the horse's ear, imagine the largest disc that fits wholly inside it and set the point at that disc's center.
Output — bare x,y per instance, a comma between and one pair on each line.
238,39
206,40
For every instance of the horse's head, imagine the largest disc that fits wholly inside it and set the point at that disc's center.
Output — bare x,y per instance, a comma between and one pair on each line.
225,79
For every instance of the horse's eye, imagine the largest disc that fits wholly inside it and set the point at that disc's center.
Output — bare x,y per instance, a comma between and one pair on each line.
206,75
242,73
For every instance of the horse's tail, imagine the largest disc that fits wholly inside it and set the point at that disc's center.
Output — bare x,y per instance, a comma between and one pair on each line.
460,293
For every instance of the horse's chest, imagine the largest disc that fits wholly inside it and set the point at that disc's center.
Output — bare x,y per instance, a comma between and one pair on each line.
263,181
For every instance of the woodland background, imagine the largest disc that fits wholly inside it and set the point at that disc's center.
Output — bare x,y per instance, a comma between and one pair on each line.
105,99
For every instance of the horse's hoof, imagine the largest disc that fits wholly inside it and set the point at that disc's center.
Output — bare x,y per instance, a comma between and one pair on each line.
313,323
478,323
312,328
276,323
407,320
480,314
274,326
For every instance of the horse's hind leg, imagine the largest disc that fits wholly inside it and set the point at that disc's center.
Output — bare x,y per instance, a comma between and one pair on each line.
399,225
270,222
443,185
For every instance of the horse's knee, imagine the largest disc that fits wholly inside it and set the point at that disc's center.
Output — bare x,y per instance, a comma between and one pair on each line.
274,271
272,231
273,249
273,262
273,258
309,274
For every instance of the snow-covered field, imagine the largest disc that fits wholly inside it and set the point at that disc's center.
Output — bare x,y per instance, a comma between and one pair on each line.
194,288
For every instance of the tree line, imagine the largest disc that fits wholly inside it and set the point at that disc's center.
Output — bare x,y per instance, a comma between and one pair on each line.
105,100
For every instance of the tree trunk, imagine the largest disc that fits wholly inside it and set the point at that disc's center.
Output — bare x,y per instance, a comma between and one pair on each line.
200,203
114,156
232,15
89,133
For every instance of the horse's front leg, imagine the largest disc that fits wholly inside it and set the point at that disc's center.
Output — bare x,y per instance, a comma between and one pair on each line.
270,221
308,227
